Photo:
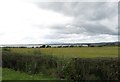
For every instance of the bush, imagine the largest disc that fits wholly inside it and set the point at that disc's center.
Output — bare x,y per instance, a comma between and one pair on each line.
92,69
28,63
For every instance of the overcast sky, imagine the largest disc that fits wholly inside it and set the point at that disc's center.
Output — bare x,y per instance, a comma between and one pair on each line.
35,22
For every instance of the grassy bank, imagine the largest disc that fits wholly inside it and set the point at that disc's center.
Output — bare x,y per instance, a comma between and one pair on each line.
9,74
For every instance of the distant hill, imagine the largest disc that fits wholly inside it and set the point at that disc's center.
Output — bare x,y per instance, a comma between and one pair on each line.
63,45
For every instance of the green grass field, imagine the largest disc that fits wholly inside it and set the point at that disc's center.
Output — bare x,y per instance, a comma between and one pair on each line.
9,74
83,52
0,74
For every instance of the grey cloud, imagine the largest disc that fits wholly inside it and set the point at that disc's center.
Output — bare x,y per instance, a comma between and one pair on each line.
84,28
119,18
92,10
1,33
87,18
68,29
98,29
56,36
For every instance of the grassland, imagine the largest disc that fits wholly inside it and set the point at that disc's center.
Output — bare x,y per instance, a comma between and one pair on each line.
48,63
83,52
9,74
0,74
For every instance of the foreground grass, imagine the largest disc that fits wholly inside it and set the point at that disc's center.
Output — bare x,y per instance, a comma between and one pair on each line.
9,74
0,74
83,52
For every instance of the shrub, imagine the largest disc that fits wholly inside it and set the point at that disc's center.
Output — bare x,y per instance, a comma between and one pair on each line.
92,69
28,63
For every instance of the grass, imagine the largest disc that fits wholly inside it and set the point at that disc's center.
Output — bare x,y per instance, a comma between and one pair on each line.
9,74
0,73
83,52
86,52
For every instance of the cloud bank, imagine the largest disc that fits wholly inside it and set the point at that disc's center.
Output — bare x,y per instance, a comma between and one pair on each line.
24,22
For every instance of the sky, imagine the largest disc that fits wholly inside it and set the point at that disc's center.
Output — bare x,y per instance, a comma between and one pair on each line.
38,22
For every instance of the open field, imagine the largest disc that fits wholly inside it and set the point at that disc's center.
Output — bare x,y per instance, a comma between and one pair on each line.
78,63
0,74
83,52
9,74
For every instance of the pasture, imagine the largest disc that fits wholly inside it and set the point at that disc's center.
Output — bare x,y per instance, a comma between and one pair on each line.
77,63
82,52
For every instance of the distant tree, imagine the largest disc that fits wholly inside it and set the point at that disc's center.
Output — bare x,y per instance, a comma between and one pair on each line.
79,46
71,46
43,46
48,46
22,47
100,46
